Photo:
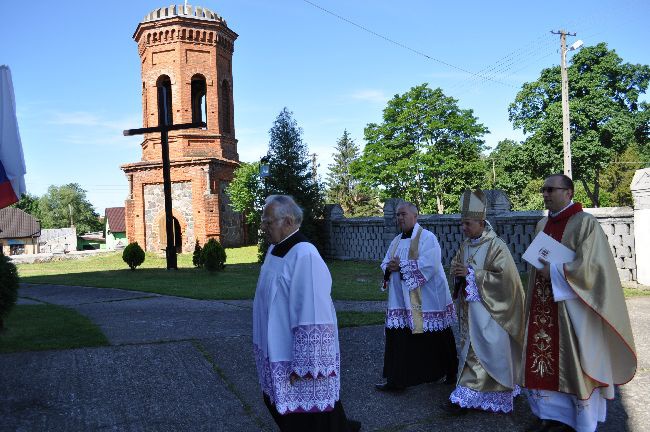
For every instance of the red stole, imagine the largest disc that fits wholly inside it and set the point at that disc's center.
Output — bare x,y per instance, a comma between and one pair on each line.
543,341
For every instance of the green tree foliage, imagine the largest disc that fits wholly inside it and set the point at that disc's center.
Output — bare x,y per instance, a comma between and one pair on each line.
60,202
213,256
617,177
291,172
606,116
133,255
29,204
343,188
427,150
246,193
508,170
197,256
8,287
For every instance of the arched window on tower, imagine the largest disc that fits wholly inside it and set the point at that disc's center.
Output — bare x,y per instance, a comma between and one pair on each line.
224,112
199,106
164,85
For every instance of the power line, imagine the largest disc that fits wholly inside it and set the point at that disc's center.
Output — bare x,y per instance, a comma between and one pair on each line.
401,45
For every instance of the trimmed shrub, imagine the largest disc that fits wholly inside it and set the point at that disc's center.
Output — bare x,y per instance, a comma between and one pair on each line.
197,256
133,255
214,256
8,287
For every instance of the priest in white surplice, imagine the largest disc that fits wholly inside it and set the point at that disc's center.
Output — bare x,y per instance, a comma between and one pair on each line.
420,345
295,335
491,310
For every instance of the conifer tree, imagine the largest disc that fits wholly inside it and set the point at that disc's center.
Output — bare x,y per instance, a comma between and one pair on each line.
292,173
343,188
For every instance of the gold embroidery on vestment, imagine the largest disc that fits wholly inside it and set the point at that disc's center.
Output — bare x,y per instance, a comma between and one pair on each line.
542,342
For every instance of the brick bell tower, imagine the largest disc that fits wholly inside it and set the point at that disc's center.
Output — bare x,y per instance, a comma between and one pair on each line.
188,50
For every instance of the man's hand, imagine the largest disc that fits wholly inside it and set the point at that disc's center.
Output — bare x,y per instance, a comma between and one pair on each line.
393,264
544,272
459,270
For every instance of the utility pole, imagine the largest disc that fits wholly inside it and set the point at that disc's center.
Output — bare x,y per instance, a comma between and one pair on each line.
313,166
566,131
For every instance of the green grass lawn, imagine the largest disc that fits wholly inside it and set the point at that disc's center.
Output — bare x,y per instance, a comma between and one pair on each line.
353,280
43,327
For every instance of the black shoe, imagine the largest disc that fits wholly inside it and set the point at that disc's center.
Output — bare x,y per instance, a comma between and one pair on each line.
389,387
452,409
550,426
354,425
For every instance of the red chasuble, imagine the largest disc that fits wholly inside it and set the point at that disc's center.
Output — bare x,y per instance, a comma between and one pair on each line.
542,344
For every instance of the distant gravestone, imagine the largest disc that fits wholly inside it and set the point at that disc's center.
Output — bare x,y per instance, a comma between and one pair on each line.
641,193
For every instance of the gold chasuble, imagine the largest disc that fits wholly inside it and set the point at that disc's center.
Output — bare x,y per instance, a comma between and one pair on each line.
502,295
560,356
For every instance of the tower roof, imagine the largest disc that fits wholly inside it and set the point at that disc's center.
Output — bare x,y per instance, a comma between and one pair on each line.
189,11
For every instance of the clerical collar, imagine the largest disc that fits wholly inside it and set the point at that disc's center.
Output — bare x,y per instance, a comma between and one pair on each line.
477,239
555,214
280,242
409,233
282,248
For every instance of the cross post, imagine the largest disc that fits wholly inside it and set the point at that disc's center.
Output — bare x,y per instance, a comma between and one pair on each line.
164,126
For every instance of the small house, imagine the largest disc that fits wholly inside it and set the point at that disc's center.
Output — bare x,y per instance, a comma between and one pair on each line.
19,232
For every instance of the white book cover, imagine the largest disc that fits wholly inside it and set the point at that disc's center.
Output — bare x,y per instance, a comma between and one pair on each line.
544,246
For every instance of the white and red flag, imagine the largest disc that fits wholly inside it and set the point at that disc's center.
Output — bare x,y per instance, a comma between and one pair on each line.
12,162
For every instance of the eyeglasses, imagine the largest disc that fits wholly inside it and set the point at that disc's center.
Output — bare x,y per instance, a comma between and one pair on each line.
550,189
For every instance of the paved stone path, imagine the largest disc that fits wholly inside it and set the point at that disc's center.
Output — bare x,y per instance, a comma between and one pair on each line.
180,364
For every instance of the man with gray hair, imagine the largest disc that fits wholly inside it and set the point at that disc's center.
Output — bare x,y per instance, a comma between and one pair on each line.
295,334
420,345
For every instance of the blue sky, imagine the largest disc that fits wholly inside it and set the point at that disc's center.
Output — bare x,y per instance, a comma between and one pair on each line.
76,70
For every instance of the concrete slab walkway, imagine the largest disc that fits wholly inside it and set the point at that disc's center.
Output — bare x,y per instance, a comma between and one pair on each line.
180,364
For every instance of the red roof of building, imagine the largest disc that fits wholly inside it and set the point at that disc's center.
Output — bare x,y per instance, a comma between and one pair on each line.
115,218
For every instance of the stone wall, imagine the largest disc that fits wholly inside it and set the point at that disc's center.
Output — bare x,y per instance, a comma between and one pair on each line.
154,214
368,238
57,240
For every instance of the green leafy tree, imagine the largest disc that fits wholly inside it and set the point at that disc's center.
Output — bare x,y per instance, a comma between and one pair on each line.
29,204
63,204
617,177
427,150
213,256
606,115
8,287
343,188
291,173
133,255
246,193
509,171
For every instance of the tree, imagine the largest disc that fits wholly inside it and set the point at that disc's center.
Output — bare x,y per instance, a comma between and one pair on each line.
197,256
8,287
340,182
606,116
29,204
508,170
63,206
427,150
133,255
343,188
213,256
246,194
290,172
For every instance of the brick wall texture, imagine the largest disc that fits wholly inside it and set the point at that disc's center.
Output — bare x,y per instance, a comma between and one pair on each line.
181,48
